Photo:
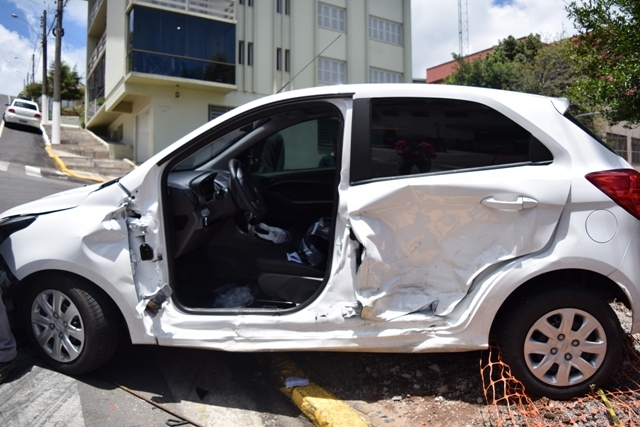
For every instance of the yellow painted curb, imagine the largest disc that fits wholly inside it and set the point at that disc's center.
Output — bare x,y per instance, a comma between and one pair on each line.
63,168
324,409
320,406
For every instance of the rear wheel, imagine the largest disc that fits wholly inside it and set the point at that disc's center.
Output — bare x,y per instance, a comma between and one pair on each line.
72,324
561,340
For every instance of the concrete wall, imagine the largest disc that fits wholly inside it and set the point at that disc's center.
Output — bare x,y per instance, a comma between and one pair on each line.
115,48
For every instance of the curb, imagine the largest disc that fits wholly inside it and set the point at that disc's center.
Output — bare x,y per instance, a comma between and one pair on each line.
63,168
60,164
320,406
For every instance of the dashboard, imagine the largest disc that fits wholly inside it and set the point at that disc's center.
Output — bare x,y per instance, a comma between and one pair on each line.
198,202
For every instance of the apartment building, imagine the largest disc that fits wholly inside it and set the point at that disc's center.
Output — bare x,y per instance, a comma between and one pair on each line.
158,69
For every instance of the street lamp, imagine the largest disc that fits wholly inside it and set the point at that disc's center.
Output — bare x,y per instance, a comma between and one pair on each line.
33,55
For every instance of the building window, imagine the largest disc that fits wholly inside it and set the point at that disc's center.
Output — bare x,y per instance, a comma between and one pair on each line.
215,111
618,143
635,150
287,60
385,31
278,6
249,3
278,59
240,1
241,52
382,76
249,53
331,17
95,87
331,71
287,7
178,45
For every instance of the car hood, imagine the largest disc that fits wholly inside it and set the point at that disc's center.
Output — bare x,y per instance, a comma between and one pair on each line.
55,202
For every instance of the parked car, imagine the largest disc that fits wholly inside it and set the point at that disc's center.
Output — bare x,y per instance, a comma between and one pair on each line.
449,215
23,112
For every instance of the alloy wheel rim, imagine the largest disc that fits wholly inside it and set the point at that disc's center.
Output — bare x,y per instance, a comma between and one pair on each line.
57,326
565,347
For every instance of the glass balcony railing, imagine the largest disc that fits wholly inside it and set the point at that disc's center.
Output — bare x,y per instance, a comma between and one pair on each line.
97,52
177,66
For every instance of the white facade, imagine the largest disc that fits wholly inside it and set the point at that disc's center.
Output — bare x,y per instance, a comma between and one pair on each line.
355,41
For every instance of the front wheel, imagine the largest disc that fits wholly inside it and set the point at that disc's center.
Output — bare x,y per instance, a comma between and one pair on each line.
71,324
561,340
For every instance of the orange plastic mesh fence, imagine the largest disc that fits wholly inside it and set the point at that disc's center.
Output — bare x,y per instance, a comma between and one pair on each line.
618,405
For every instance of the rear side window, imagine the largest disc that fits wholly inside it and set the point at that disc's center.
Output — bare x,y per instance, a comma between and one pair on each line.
410,136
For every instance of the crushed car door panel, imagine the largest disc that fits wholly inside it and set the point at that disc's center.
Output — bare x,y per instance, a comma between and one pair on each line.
427,235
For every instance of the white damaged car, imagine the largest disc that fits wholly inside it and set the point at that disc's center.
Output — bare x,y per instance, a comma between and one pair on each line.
379,218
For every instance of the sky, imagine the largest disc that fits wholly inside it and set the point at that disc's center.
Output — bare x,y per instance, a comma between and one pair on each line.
19,36
434,32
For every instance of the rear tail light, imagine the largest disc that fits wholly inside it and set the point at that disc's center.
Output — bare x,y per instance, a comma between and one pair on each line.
622,186
11,110
37,115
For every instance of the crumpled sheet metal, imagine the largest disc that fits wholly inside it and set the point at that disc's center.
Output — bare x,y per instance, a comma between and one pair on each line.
422,250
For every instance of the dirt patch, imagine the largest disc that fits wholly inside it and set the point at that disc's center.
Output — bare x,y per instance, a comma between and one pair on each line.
447,389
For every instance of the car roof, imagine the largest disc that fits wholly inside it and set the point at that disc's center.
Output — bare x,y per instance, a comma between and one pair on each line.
375,90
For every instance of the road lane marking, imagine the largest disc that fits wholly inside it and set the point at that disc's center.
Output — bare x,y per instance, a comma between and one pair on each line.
32,171
4,166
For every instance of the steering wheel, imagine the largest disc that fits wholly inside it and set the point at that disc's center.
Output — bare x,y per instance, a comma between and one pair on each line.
244,190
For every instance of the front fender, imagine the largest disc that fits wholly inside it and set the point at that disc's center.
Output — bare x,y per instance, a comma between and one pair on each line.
86,241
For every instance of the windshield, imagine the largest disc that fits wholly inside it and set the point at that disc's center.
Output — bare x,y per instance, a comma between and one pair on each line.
212,149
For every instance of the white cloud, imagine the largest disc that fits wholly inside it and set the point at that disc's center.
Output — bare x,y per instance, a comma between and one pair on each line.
76,57
76,11
14,71
21,45
435,26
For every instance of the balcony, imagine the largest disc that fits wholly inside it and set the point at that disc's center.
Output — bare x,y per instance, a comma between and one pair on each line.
97,53
97,18
219,9
183,67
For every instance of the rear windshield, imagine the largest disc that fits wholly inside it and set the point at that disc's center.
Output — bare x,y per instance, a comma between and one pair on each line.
25,105
588,131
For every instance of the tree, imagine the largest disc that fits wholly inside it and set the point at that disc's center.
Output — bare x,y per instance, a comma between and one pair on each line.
498,69
606,50
549,72
70,87
32,91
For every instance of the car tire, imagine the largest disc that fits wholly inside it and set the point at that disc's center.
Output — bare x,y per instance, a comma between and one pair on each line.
556,359
71,324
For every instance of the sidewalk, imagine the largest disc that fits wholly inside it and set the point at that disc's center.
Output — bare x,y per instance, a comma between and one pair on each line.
82,155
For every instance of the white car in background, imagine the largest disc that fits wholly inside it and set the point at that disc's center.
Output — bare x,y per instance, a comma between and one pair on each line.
23,112
409,218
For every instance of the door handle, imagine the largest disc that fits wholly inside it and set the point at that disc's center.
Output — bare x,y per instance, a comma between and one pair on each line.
519,204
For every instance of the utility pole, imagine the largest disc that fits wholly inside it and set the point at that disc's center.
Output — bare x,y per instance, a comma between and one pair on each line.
463,28
55,129
45,77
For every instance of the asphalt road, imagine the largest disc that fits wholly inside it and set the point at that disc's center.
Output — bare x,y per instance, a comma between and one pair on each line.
141,386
